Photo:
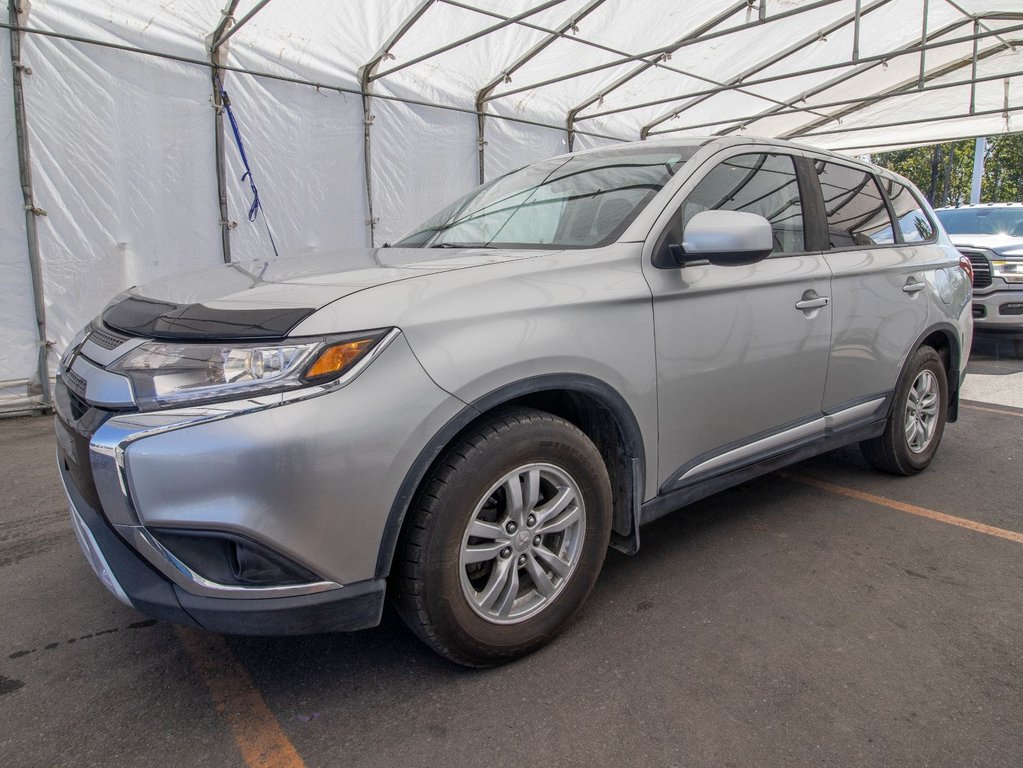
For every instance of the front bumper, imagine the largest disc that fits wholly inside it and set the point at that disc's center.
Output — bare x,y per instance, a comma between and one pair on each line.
135,582
998,308
311,480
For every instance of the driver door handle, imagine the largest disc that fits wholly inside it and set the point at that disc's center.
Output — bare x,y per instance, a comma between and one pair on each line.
811,300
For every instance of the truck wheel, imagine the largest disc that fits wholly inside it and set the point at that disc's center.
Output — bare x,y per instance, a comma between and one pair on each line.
506,539
917,418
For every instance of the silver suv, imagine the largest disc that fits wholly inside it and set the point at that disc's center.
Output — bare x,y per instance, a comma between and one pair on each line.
991,237
468,419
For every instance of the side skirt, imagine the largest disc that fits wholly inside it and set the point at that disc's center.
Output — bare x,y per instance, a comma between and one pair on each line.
675,499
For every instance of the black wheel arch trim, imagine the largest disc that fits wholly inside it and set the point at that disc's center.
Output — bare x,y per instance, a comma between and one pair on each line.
953,374
600,390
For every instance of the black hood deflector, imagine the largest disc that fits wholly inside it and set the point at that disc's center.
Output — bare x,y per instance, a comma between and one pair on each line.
164,320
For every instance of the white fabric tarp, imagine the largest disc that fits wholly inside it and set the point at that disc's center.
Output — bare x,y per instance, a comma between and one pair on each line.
122,143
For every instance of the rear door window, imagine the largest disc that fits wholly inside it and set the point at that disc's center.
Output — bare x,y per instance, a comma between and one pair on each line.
856,210
914,224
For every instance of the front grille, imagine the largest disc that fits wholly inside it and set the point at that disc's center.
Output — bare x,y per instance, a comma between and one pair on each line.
981,268
106,339
74,382
979,310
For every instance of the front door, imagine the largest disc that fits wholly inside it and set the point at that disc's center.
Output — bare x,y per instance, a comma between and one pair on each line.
740,367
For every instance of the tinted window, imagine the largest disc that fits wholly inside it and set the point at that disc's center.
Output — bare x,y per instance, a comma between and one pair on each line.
856,211
913,222
761,184
580,200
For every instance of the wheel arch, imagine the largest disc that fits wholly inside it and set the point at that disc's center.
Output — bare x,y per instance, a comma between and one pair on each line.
592,405
944,339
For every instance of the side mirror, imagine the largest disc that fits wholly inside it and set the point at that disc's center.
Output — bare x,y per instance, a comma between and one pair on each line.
724,238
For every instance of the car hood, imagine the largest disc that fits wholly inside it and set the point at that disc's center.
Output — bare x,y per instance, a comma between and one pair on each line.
1003,244
266,299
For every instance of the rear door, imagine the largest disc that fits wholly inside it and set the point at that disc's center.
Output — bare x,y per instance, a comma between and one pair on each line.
740,367
879,282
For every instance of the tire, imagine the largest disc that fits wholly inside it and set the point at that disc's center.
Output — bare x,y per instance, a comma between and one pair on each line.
921,400
483,600
1017,348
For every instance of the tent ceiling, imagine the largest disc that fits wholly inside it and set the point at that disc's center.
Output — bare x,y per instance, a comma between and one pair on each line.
844,74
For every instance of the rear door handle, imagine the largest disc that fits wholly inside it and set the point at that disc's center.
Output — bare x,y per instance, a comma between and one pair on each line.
913,286
811,300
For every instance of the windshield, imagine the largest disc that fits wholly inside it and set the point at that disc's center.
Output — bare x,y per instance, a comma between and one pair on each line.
983,221
567,202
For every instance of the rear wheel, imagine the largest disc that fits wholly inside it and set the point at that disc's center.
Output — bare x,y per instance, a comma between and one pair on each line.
506,539
917,419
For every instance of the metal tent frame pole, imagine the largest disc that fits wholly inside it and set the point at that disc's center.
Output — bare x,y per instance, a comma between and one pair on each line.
664,49
865,100
646,61
908,88
31,210
366,78
217,57
879,58
467,39
506,74
799,45
318,85
917,121
701,30
832,83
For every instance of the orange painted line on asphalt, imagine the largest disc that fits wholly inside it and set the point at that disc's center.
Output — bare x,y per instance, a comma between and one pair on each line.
911,509
257,733
991,410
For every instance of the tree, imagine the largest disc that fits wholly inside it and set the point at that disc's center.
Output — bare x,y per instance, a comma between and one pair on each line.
943,172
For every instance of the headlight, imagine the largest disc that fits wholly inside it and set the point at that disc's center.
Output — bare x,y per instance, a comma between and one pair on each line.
1011,271
170,373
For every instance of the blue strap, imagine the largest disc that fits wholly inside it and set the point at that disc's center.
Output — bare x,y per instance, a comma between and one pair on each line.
257,206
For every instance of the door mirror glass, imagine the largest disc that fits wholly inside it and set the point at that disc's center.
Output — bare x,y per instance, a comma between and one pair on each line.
725,238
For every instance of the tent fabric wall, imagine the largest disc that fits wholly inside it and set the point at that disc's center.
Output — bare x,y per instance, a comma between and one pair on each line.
123,150
121,160
17,320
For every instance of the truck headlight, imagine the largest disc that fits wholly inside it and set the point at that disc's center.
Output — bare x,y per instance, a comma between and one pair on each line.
1010,270
171,373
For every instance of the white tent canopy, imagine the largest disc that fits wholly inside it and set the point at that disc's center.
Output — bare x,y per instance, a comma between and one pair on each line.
361,117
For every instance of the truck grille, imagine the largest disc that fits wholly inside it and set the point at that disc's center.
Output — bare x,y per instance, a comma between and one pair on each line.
981,268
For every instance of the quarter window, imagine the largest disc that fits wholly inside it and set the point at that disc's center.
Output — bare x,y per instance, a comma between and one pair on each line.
761,184
913,222
856,210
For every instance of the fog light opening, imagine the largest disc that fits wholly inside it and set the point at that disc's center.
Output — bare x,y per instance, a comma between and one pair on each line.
253,568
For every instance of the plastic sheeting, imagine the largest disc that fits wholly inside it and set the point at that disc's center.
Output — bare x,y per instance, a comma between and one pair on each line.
17,316
123,152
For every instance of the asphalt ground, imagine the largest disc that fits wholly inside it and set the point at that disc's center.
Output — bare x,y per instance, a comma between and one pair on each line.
824,616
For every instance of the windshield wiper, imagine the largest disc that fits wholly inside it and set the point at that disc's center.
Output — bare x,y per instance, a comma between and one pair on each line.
462,245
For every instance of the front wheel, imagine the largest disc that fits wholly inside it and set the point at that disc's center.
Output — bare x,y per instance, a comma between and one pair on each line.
506,539
917,419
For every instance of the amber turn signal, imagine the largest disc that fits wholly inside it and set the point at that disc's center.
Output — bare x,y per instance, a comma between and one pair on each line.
336,358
